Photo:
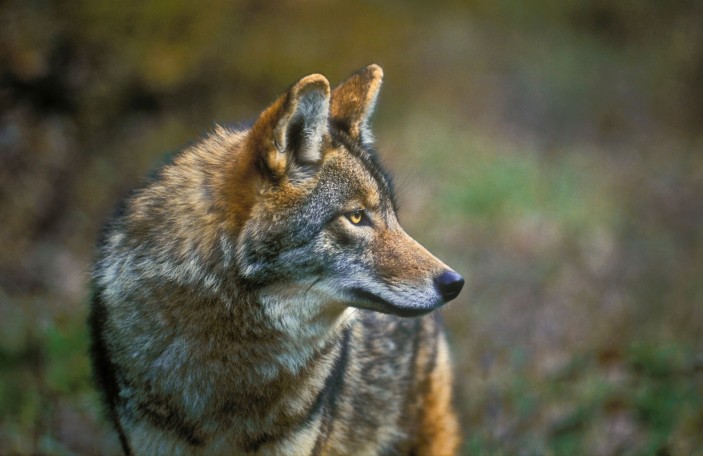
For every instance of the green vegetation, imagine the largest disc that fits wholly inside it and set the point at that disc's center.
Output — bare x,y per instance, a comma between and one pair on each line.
563,347
550,151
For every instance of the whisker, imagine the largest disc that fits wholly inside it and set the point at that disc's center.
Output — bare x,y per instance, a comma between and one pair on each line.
311,285
336,330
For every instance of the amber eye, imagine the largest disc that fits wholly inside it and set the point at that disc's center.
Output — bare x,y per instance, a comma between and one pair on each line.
356,217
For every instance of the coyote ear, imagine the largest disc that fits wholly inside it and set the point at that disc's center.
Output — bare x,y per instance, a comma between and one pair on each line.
292,129
353,102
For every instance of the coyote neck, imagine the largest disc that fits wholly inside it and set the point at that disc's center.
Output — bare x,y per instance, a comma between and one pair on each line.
283,363
298,326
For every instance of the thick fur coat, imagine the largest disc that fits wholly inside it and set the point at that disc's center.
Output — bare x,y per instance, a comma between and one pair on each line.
253,296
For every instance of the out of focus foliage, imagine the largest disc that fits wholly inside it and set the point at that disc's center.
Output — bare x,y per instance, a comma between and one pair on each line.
551,151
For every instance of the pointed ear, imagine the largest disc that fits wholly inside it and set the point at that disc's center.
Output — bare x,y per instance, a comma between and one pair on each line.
353,102
291,131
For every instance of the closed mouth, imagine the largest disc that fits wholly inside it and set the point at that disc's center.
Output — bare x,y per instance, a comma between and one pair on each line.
379,304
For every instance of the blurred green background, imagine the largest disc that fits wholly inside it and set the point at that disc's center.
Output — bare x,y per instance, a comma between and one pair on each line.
551,151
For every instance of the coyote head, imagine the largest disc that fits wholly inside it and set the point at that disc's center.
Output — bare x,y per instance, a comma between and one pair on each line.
324,214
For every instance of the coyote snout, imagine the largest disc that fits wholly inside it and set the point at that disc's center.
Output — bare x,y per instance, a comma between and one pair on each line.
402,277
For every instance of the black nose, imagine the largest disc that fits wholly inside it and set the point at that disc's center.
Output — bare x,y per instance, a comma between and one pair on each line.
449,284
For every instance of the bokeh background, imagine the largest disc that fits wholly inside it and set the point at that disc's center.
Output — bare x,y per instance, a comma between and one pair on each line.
551,151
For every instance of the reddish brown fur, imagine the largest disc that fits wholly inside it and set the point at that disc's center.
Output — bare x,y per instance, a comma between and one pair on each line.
399,257
353,100
239,189
439,431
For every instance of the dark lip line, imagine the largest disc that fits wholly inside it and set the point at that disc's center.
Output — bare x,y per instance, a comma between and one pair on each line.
383,306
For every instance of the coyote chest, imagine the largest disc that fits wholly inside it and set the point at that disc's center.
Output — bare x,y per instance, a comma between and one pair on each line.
258,295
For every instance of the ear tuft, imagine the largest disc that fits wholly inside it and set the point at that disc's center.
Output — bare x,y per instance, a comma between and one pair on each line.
291,131
305,121
353,102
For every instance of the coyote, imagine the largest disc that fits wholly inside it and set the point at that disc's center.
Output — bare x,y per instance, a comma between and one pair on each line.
251,296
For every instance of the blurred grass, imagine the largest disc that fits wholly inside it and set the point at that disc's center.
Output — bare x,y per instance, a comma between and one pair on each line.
549,151
571,349
497,182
